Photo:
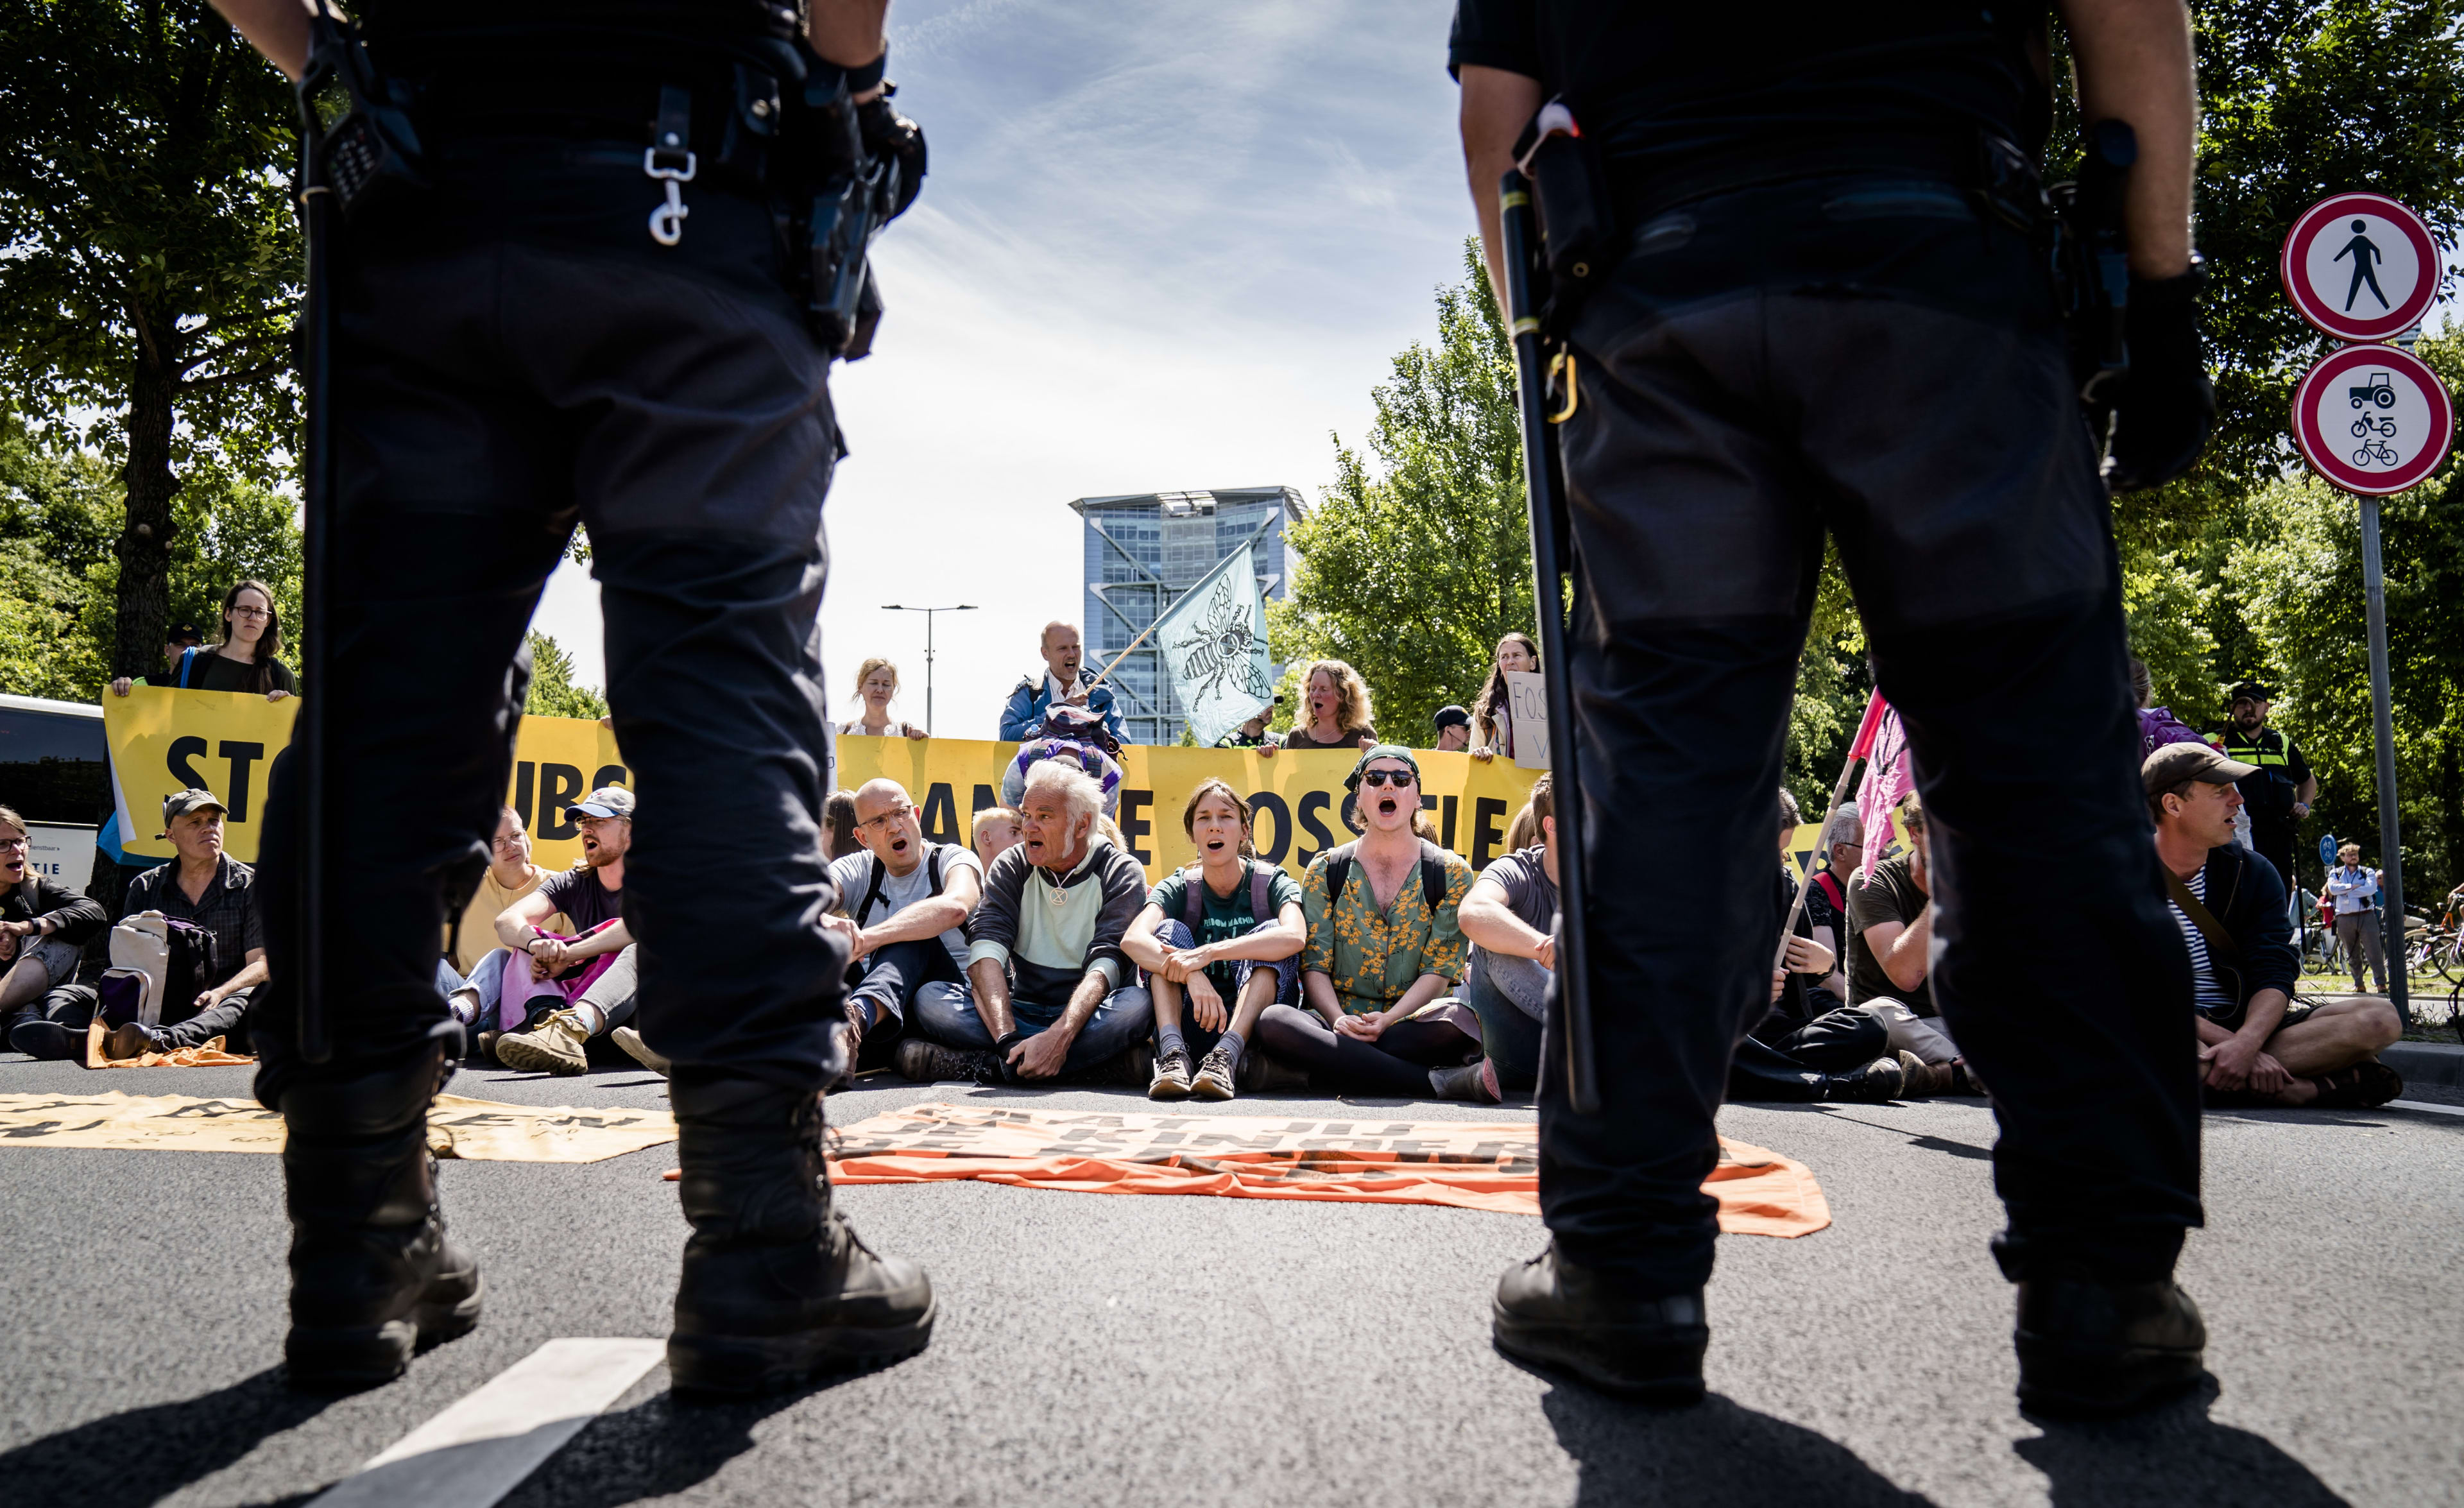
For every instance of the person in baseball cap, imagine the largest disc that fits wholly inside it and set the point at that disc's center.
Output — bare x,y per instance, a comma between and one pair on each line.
1454,730
180,802
607,801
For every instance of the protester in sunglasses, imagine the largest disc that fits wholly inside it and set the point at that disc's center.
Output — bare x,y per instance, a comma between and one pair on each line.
1384,950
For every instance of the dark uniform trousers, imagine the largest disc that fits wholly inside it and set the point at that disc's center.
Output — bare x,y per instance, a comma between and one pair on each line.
1872,356
514,354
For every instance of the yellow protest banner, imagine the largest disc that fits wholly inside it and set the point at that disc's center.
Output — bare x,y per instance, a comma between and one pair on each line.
163,740
1297,797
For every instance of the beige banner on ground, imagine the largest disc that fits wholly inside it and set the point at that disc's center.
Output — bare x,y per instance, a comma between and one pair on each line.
473,1130
1368,1159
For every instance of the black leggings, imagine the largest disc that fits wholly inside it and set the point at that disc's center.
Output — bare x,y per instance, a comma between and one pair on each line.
1397,1063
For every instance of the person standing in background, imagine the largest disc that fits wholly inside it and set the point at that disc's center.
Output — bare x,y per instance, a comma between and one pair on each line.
2354,891
2279,796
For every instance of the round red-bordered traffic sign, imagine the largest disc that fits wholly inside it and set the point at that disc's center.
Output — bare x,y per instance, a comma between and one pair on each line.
2361,267
2373,419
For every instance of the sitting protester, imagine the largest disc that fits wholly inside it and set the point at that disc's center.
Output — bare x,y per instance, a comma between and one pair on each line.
838,826
1510,916
588,976
1385,946
903,905
1890,941
1826,898
1224,934
471,951
204,887
994,833
43,928
1809,1048
1044,957
2255,1045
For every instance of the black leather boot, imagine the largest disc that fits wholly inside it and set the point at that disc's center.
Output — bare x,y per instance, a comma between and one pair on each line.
1552,1313
2090,1349
373,1278
776,1286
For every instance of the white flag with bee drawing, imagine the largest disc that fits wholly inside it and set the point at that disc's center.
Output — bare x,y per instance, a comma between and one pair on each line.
1213,641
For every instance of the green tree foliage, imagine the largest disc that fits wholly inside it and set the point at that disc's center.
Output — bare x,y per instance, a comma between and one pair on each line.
1411,573
2297,573
146,162
554,693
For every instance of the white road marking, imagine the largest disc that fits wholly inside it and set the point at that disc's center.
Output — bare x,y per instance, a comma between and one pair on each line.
2424,1105
480,1449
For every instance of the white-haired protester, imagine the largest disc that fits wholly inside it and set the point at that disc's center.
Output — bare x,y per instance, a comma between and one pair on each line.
1053,993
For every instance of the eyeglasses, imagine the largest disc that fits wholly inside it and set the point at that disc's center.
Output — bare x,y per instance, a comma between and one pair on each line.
1388,777
251,612
6,844
508,843
892,815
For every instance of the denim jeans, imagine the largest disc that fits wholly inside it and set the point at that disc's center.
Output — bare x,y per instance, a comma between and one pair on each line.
1201,1041
1124,1018
1507,1032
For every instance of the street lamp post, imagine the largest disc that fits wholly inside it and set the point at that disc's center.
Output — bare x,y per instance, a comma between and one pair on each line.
891,607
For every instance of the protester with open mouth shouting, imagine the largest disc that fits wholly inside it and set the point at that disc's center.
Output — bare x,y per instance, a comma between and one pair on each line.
1384,950
1249,914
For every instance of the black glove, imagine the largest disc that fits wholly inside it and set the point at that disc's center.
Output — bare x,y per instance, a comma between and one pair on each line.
2165,406
888,134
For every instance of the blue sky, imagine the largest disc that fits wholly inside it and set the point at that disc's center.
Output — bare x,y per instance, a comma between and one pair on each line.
1164,246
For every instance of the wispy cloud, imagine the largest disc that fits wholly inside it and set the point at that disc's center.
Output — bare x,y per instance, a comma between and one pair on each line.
1163,246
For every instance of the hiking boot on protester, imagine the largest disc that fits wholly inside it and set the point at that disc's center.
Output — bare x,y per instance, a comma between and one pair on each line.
2255,1045
1217,944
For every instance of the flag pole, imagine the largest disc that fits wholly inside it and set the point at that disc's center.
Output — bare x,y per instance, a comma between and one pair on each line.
1165,612
1867,730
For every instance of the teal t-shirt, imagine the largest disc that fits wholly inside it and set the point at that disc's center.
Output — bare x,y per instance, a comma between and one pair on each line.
1221,918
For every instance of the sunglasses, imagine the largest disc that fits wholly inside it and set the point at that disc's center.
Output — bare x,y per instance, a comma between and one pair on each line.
1388,777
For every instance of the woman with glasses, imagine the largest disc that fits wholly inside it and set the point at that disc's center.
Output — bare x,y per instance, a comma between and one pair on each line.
1384,950
244,661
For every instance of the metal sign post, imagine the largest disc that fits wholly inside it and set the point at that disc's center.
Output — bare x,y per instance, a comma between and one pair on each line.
2372,420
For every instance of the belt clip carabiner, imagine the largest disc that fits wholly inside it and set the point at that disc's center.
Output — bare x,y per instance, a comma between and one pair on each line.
668,139
667,221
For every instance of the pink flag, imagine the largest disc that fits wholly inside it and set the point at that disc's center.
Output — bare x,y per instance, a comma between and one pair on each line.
1885,746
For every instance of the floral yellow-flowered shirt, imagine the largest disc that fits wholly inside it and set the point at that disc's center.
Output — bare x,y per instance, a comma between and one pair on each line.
1371,954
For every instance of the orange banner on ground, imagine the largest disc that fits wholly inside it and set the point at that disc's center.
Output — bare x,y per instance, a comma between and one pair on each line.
1364,1159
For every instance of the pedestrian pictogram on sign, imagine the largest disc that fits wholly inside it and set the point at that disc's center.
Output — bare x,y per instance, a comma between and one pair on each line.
2361,267
2372,419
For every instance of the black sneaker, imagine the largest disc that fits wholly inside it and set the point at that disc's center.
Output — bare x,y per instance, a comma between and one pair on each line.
920,1061
1554,1314
2090,1349
1171,1079
1878,1081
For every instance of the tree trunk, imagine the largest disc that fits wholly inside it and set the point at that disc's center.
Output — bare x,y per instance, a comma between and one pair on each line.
145,545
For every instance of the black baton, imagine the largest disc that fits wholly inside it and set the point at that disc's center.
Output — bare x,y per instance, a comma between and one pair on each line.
1544,482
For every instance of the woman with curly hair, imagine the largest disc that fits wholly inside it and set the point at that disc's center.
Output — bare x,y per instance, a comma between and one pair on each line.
1334,708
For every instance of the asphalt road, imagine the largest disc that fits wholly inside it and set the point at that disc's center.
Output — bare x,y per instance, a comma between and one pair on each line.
1133,1350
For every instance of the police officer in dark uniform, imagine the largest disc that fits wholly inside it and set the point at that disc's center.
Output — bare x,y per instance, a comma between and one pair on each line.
581,317
2279,796
1830,309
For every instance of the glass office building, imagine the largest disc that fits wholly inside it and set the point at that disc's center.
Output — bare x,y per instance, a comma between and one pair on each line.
1143,550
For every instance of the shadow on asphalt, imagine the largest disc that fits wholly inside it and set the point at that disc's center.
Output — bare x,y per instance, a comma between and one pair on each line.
142,1456
655,1449
1712,1456
2173,1458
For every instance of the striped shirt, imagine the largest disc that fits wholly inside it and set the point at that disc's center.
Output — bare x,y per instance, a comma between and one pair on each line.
2211,994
